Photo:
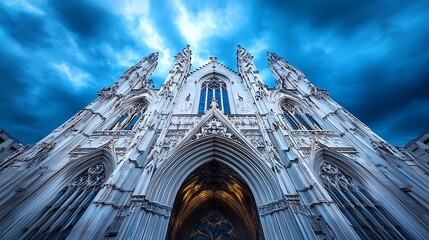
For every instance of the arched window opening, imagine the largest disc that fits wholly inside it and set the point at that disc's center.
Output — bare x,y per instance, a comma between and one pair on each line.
129,119
62,213
214,88
291,122
302,122
298,119
133,122
312,121
367,217
119,121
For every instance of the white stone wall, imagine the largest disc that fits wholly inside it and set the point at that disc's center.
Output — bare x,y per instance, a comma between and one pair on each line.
145,166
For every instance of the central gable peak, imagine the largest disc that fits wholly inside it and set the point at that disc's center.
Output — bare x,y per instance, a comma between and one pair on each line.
213,65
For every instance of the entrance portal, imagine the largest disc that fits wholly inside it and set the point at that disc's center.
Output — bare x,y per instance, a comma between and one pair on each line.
214,202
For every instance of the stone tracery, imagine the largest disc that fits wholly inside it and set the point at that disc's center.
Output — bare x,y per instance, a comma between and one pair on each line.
213,88
253,150
366,215
62,213
212,227
297,118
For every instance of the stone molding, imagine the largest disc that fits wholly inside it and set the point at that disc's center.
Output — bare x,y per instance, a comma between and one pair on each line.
272,207
114,133
152,207
214,127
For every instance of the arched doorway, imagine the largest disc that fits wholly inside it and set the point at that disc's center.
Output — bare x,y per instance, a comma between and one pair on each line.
166,183
214,202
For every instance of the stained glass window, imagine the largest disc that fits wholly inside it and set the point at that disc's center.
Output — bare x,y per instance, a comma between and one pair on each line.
367,217
120,120
291,122
129,119
297,118
302,121
213,88
133,122
213,227
62,213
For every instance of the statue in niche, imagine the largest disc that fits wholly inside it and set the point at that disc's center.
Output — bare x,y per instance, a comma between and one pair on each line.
213,103
241,102
187,104
244,107
240,98
188,100
281,82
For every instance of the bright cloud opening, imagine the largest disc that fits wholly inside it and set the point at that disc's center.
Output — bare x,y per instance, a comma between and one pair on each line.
76,76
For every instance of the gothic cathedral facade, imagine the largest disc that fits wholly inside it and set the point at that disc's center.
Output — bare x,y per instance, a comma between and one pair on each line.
213,154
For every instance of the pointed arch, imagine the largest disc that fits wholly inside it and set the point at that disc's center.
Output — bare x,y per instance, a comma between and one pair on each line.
165,184
353,169
214,187
298,116
350,186
217,86
130,113
131,101
49,209
235,153
172,173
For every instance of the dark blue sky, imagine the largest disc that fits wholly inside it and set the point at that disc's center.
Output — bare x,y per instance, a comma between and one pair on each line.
372,56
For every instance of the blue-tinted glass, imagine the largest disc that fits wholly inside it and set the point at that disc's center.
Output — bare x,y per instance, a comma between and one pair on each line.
291,122
302,121
217,96
209,98
311,119
214,226
121,119
226,109
201,108
133,122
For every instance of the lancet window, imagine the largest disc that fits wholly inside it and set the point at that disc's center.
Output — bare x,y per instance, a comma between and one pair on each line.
298,119
368,218
129,119
65,209
214,88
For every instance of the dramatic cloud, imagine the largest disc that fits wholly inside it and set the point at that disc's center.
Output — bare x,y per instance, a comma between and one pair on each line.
75,76
372,56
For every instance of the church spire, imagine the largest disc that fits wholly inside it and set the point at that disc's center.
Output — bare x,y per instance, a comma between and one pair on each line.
178,73
250,75
182,64
137,77
285,74
145,65
144,70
